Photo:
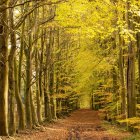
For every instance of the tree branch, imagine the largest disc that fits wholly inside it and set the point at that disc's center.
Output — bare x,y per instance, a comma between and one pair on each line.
39,4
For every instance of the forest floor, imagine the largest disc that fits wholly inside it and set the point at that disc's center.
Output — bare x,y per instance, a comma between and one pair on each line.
80,125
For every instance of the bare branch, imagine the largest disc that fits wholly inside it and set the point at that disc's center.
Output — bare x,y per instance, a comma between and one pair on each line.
39,4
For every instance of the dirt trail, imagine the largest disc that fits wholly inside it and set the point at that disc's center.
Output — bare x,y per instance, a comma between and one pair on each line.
81,125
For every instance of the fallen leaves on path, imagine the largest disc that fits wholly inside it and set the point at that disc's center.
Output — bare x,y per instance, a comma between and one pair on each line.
81,125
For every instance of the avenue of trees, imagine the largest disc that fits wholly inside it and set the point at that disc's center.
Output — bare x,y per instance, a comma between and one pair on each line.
53,52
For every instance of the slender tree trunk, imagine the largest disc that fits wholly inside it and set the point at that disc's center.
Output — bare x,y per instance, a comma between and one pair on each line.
123,92
39,108
12,115
57,67
138,47
131,84
41,64
51,81
47,107
3,69
131,95
21,58
34,114
40,93
28,92
28,86
46,84
18,75
20,106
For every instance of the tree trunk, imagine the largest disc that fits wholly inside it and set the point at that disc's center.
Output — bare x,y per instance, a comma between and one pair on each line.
34,115
21,58
131,95
51,74
28,89
20,106
12,116
123,94
3,69
39,108
46,83
138,47
47,107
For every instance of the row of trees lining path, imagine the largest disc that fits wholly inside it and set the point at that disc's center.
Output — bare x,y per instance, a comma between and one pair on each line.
53,53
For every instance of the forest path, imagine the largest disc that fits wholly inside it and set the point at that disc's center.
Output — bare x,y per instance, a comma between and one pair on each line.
81,125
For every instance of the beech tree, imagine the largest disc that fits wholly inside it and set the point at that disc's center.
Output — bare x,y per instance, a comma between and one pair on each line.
3,68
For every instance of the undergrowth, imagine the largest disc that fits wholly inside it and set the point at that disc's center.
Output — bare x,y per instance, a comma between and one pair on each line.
133,137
